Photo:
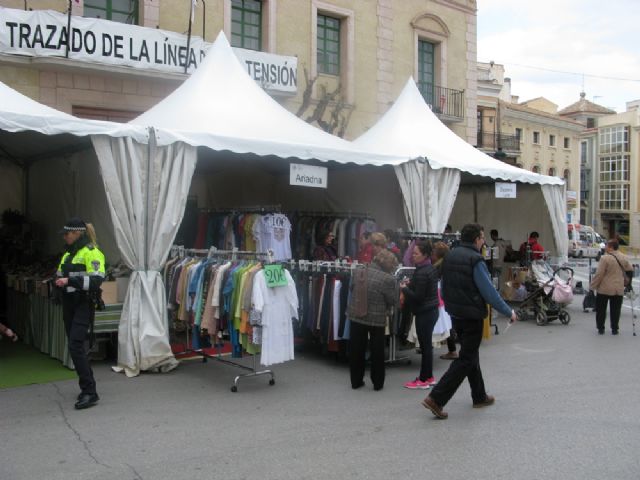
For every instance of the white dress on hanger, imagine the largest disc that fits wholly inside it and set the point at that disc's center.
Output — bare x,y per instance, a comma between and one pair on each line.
278,305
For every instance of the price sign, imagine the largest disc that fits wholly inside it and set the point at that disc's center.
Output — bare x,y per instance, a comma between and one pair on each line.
274,274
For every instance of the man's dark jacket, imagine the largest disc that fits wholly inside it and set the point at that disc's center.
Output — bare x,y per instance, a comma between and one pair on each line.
461,297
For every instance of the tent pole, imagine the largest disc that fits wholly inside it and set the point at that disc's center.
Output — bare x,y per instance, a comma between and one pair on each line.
150,156
186,60
475,205
25,193
66,54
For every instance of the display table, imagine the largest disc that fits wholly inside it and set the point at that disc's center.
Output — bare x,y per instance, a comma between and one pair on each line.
38,322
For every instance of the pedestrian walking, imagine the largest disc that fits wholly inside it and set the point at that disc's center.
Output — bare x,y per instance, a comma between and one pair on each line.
612,277
466,290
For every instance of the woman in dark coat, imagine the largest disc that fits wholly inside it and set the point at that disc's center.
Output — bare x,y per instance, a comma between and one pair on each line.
421,293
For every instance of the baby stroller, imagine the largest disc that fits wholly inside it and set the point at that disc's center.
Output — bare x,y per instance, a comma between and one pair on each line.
548,293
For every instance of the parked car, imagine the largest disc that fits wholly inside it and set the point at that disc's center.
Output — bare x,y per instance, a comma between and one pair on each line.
584,241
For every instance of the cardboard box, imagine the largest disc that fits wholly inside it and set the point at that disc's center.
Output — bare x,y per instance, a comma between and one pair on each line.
109,292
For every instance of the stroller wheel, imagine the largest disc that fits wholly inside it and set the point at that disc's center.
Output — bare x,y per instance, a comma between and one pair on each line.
564,317
541,318
522,314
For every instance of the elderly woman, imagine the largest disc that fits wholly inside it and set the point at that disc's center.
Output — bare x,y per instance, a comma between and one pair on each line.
380,296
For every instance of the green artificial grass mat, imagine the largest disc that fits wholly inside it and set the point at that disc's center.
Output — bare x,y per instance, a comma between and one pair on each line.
22,364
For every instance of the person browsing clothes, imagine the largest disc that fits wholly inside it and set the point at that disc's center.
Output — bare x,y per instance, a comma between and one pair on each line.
80,274
421,293
466,290
369,328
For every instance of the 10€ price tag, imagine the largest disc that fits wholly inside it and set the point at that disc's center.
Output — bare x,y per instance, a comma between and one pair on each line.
274,274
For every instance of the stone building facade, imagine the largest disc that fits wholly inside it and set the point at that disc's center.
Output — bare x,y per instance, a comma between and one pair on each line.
367,48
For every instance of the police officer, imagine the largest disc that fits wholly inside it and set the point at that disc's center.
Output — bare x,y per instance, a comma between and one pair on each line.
80,273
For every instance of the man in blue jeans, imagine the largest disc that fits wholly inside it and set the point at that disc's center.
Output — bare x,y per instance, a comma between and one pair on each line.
466,290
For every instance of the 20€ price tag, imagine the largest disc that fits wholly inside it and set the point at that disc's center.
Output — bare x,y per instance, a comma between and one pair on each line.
274,274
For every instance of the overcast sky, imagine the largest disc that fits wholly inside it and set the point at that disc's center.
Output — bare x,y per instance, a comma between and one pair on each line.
591,37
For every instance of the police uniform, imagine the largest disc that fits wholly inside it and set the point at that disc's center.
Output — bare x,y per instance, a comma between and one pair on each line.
83,265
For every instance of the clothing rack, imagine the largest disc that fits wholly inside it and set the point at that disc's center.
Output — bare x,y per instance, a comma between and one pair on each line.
320,213
246,209
446,237
232,255
394,359
318,266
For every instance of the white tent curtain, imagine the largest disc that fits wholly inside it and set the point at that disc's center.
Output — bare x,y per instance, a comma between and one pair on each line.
555,198
147,189
428,194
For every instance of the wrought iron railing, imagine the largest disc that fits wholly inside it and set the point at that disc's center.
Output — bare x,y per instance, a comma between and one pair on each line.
499,140
444,101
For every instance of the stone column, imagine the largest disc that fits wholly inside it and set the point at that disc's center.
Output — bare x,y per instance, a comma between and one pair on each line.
471,93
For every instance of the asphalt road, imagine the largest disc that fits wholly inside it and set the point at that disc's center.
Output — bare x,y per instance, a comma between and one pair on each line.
567,408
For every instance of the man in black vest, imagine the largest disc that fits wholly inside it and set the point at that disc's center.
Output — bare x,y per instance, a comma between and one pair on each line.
466,290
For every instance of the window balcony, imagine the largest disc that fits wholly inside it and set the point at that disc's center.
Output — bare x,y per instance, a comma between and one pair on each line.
494,141
446,103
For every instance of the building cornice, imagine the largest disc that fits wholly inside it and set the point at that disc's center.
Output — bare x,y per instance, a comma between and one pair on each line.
542,120
463,7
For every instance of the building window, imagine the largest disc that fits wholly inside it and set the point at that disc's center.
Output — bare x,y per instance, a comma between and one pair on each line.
591,122
535,169
567,176
519,135
552,172
246,24
536,138
614,168
328,46
614,197
614,139
426,70
552,140
567,142
123,11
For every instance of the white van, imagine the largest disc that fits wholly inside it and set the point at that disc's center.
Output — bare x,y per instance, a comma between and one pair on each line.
584,241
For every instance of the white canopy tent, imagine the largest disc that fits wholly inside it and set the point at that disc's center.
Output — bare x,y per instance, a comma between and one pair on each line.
431,182
46,167
220,107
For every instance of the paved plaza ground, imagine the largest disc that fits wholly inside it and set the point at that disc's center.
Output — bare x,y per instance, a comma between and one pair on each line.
567,408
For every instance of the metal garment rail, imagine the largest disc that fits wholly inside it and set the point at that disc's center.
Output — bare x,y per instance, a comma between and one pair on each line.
394,359
227,255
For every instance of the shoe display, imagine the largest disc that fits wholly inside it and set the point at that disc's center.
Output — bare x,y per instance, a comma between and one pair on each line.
87,400
436,409
418,384
449,356
489,400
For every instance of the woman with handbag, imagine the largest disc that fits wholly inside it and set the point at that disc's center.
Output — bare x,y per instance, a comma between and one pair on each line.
610,282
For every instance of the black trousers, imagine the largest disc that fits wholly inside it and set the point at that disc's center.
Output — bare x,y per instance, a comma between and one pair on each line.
615,301
78,314
359,336
425,321
467,365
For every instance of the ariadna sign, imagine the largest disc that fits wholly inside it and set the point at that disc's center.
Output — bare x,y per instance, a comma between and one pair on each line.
44,33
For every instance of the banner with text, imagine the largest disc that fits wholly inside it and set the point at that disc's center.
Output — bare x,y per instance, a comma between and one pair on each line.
505,190
307,176
44,33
